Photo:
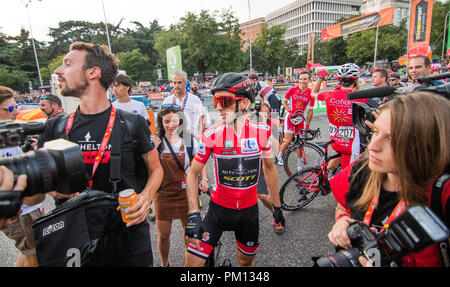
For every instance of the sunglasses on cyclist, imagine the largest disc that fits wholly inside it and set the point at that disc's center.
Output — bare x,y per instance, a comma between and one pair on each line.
166,106
10,109
225,101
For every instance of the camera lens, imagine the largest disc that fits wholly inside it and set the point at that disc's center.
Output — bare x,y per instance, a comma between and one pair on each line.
343,258
59,166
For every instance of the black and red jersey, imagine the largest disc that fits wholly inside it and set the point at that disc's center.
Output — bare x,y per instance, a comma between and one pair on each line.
237,161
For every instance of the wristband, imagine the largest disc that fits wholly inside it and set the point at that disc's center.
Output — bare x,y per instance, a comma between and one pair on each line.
342,215
193,212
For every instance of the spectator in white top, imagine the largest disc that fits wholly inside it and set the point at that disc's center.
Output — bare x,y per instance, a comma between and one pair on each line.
121,89
190,105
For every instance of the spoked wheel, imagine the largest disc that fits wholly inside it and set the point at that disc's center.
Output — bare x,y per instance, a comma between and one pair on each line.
300,189
310,154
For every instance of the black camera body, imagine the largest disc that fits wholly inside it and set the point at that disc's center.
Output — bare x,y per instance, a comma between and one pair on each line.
412,231
58,166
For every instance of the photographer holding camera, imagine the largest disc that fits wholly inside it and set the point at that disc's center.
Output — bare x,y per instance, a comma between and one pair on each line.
19,229
406,157
117,149
6,185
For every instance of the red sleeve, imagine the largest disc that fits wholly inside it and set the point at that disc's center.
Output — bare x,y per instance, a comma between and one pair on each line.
289,93
323,96
204,150
340,185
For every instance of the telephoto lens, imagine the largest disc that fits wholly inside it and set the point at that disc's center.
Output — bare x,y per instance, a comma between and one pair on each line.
58,166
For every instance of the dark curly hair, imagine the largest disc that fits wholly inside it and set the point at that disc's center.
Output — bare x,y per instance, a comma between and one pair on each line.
160,132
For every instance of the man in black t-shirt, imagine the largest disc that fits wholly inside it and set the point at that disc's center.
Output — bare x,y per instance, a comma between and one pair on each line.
87,72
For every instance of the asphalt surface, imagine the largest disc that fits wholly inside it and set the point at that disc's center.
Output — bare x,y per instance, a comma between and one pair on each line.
305,236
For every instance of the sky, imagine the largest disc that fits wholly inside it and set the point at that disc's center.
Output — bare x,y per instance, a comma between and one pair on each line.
48,13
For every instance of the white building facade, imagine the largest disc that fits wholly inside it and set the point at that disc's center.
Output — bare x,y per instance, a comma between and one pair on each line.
303,17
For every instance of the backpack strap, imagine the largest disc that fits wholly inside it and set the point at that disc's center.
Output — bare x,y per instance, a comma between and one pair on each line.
436,202
437,206
115,158
190,149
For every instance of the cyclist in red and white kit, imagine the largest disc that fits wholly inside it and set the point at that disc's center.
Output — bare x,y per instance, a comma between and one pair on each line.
267,94
339,112
238,147
296,101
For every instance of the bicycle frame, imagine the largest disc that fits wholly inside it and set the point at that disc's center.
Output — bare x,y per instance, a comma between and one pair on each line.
300,139
323,171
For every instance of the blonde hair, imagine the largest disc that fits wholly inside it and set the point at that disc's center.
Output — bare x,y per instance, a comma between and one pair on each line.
420,144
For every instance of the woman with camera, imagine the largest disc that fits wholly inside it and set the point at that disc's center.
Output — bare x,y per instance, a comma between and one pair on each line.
407,154
176,150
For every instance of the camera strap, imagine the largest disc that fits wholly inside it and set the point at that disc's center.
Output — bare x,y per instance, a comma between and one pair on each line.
437,206
401,206
104,143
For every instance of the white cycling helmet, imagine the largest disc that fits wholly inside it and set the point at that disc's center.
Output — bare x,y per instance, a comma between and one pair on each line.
348,70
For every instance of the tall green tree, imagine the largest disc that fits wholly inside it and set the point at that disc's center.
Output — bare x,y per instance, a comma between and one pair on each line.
440,9
209,42
135,65
269,49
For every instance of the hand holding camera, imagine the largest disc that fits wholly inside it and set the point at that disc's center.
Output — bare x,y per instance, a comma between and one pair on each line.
412,231
10,195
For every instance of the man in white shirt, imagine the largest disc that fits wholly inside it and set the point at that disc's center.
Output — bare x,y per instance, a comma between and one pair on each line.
190,104
121,89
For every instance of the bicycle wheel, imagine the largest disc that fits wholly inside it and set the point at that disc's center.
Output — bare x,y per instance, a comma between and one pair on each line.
214,258
311,155
300,189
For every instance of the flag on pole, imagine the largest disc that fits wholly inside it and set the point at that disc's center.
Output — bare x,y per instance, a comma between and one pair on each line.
173,56
420,28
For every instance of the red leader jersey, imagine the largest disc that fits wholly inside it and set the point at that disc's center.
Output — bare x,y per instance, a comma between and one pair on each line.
237,161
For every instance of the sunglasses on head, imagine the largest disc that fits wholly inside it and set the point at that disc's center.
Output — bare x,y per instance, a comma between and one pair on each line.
166,106
11,109
225,101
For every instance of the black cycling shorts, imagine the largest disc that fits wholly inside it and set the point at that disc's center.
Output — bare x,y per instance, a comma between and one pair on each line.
217,219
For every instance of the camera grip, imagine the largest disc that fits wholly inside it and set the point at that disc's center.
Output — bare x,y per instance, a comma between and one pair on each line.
10,203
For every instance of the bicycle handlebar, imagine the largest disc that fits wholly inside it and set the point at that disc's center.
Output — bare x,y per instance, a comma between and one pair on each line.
314,133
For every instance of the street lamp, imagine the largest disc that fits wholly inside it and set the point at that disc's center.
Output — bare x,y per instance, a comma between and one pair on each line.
26,3
250,19
443,40
106,26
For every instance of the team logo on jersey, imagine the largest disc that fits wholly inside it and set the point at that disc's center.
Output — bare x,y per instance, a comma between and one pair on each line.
340,116
87,138
201,148
249,145
228,144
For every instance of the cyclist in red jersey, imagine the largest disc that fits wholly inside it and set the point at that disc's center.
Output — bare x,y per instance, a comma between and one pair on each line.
238,147
296,99
339,112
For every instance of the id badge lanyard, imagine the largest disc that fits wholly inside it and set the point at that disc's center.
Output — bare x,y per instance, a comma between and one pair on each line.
401,206
183,105
104,143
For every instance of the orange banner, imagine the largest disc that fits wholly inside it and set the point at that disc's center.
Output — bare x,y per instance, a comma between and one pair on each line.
420,27
371,20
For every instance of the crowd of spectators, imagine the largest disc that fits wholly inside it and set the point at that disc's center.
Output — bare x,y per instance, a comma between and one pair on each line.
28,98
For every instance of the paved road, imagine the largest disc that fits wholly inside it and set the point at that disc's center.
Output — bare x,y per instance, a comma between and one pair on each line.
306,234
